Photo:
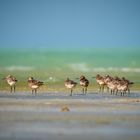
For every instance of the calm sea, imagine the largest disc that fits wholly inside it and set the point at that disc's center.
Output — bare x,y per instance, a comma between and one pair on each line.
102,59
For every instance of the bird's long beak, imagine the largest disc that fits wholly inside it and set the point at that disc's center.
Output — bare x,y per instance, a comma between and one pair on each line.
3,78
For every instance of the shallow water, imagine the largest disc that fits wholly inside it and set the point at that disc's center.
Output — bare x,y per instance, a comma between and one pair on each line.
91,116
73,59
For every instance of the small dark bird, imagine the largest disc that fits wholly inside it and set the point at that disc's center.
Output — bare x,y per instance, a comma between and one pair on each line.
70,85
84,83
11,81
34,84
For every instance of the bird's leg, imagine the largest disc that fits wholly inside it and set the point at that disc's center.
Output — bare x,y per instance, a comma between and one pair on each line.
111,91
102,88
35,91
128,91
107,89
124,92
99,88
116,91
32,91
85,90
11,89
71,92
14,88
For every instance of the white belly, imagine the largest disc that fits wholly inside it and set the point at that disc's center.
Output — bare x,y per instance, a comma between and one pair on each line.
122,87
82,83
69,85
111,86
100,82
11,83
34,86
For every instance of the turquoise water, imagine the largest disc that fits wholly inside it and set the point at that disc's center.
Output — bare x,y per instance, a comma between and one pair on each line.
46,58
56,60
54,65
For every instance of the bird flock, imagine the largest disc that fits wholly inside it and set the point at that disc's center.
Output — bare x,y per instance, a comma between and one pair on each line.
114,85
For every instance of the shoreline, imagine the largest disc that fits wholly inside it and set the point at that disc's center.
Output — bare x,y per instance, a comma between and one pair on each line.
91,116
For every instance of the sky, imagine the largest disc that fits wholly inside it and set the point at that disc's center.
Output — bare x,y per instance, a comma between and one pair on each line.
69,23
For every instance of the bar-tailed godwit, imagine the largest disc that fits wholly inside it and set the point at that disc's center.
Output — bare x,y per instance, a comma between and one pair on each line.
34,84
70,85
84,83
100,81
11,81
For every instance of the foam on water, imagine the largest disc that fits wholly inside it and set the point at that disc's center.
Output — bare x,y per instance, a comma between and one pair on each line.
83,67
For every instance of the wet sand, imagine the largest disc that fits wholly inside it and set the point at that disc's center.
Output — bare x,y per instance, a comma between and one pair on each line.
91,116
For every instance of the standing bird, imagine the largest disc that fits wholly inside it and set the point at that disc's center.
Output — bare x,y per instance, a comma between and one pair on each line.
100,81
122,87
84,83
70,85
34,84
107,79
11,80
129,83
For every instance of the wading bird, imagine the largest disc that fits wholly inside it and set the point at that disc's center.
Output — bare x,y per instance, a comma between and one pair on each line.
100,81
11,81
70,85
84,83
34,84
